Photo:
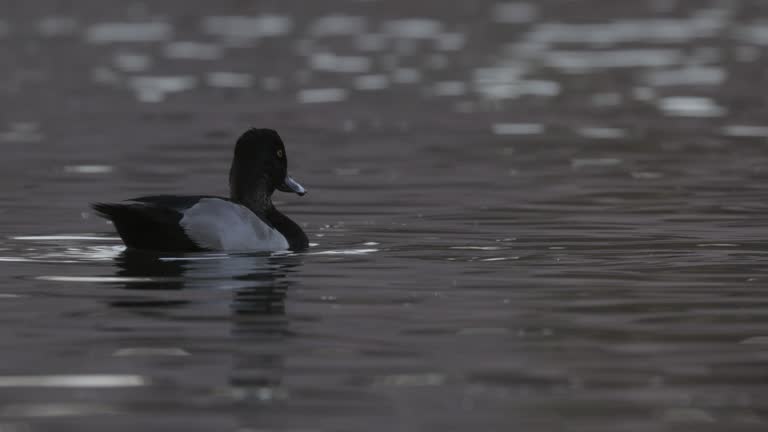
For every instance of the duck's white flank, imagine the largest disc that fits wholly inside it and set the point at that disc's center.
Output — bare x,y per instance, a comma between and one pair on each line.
222,225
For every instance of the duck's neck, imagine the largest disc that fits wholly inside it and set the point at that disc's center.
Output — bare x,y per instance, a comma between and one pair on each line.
259,203
251,190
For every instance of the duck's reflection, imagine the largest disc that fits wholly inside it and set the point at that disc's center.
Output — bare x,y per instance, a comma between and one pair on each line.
258,283
248,325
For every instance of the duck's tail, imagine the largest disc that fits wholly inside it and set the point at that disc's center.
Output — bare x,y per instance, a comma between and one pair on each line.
106,210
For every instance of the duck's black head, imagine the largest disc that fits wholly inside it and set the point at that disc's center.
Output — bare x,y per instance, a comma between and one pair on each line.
260,166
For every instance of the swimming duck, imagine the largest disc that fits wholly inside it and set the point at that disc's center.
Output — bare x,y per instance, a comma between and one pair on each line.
246,221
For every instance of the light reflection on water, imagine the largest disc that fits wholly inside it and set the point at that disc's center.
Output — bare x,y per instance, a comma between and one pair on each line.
22,132
691,106
128,32
533,215
243,29
79,381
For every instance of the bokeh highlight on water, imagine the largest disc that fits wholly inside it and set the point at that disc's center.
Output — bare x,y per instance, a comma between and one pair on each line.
525,215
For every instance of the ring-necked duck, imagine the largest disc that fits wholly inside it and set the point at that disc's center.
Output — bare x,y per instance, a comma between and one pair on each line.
247,220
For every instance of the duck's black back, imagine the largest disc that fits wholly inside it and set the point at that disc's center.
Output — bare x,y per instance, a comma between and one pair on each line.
152,222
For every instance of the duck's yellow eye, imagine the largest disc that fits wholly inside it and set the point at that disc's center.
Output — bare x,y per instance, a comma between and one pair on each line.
280,154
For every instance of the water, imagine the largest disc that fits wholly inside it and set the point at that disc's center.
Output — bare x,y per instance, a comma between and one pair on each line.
536,216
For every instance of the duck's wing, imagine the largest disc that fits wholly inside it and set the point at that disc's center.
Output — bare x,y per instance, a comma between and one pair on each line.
152,222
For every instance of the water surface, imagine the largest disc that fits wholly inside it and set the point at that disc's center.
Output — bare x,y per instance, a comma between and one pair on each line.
542,216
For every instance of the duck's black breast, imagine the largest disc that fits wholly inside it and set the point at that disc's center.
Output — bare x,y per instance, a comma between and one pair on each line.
297,239
152,222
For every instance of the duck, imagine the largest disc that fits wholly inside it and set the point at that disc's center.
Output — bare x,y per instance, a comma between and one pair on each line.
245,221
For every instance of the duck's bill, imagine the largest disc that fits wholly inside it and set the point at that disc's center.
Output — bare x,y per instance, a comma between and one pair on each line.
291,185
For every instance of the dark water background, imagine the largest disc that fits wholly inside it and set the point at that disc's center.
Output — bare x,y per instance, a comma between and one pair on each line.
543,216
